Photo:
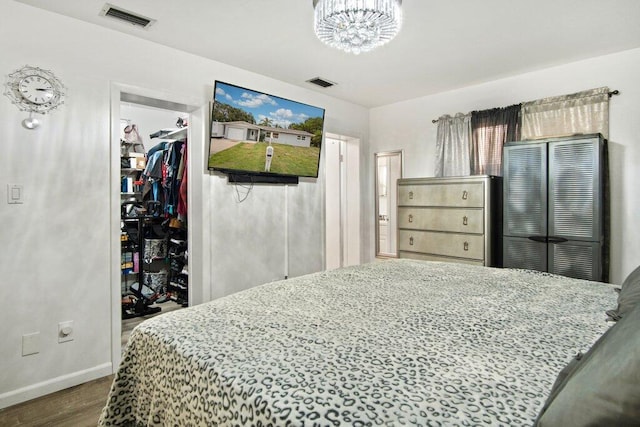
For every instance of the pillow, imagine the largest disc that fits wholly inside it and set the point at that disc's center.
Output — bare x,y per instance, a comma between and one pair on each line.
601,388
629,295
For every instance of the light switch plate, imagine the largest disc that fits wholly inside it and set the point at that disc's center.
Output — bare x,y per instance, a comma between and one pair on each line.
15,194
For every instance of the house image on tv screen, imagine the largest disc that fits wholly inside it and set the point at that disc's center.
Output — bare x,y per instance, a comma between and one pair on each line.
253,132
248,132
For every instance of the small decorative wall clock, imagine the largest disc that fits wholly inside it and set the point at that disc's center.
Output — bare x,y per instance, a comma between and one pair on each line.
34,90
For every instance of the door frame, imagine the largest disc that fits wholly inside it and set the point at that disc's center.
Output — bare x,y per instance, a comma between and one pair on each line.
394,205
159,99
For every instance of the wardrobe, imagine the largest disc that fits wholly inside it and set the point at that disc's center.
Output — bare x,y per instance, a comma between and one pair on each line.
555,208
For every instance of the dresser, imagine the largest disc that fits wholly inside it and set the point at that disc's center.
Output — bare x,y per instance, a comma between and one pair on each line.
451,219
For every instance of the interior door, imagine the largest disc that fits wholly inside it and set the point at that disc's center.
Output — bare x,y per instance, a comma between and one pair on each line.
334,216
342,195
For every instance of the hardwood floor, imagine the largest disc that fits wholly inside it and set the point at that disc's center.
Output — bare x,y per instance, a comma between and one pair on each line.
78,406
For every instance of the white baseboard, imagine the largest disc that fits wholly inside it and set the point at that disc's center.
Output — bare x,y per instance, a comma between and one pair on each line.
55,384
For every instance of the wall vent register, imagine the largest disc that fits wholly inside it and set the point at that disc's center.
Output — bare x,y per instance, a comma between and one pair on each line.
126,16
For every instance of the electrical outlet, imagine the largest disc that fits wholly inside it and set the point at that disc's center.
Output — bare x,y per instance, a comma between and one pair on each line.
31,344
65,331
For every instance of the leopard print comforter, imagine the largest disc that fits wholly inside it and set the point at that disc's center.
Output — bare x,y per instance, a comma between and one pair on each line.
396,342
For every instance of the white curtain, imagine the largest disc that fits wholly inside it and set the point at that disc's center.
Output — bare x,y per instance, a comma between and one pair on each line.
452,145
583,112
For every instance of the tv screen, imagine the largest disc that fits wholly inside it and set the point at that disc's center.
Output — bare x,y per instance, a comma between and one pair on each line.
260,134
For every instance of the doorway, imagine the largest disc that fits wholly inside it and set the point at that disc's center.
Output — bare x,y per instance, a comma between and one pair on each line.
154,259
388,169
151,112
342,201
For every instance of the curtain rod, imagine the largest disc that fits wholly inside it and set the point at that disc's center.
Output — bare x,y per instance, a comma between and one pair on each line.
613,92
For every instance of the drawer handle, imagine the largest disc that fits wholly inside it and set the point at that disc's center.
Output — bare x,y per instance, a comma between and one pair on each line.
410,195
410,218
466,246
411,241
465,220
465,195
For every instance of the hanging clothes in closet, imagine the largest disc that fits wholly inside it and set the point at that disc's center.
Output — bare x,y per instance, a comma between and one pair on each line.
164,176
182,193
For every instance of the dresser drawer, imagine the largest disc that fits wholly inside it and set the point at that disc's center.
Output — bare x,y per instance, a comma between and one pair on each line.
447,244
455,195
461,220
427,257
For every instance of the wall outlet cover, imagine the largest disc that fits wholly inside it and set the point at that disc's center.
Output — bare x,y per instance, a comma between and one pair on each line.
31,343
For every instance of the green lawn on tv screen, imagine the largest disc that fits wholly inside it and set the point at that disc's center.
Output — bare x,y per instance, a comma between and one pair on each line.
287,159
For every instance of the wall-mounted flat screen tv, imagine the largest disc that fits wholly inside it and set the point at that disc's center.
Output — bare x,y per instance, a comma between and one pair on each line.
258,134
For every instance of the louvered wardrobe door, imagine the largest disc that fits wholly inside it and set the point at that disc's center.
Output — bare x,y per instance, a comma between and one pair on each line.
578,259
574,190
525,206
575,208
525,190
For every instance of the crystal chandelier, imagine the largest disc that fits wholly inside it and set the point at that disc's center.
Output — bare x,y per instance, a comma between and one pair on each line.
357,26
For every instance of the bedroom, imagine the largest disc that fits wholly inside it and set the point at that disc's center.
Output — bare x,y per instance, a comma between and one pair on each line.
66,175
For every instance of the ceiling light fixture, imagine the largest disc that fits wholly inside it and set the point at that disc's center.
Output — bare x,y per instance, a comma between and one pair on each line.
357,26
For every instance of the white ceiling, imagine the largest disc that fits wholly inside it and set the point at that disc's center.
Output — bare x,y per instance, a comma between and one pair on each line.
443,45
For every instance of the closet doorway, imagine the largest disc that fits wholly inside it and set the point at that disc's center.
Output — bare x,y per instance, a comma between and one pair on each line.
154,227
342,201
153,261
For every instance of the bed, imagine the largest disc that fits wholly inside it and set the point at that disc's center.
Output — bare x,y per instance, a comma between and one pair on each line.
396,342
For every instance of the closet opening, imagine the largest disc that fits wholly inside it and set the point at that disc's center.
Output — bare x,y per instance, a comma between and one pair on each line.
153,212
151,219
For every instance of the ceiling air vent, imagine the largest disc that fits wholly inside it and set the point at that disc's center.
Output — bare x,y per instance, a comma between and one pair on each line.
126,16
321,82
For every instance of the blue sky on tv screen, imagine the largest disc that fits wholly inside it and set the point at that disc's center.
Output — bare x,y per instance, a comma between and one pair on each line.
279,111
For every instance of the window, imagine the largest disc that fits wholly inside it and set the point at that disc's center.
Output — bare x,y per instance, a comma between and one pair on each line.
490,129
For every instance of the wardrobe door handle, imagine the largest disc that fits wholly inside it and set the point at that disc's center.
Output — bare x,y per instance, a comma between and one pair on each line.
411,241
465,195
466,246
465,220
410,218
553,239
